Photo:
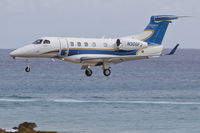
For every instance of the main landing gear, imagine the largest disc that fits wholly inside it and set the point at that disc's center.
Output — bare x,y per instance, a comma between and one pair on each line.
106,72
88,71
106,69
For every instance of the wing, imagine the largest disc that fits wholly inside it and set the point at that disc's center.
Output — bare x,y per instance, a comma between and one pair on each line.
111,59
114,59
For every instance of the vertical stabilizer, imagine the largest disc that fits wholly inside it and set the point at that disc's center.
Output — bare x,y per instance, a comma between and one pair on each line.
158,26
156,29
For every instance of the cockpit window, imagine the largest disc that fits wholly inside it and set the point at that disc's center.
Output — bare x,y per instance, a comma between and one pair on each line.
46,42
39,41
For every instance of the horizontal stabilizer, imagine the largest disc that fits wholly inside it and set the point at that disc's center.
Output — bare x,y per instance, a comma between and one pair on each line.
173,50
164,18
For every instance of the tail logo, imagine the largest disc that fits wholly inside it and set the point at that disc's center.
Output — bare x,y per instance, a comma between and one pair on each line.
149,34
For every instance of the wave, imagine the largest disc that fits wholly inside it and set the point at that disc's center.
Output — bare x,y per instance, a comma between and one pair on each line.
125,102
96,101
17,100
68,101
161,102
19,97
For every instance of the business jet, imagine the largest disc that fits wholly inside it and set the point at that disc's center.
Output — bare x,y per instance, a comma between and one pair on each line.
89,52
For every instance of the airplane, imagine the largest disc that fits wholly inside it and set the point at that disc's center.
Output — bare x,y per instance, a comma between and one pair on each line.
89,52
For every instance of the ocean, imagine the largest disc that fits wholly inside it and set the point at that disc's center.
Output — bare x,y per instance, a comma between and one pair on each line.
159,95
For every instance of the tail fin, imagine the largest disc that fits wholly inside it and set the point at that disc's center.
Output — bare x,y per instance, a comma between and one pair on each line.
157,27
155,30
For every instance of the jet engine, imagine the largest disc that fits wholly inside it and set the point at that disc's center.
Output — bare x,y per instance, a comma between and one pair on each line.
130,44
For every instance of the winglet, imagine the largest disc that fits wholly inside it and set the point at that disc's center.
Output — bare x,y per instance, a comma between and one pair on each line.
173,50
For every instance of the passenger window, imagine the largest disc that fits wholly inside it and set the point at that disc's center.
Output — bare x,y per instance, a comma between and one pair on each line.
86,44
46,42
94,44
105,45
79,44
39,41
72,43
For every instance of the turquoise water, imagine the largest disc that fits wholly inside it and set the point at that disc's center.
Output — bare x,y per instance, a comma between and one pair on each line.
146,96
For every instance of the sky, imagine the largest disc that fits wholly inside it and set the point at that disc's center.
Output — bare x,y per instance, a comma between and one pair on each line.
23,21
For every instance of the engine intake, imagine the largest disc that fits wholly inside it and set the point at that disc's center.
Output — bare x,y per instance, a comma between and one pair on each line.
131,44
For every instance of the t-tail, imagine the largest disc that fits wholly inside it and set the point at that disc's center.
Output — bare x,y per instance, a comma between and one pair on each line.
156,29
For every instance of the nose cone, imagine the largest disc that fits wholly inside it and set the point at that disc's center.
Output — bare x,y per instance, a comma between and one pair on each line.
15,53
18,53
22,52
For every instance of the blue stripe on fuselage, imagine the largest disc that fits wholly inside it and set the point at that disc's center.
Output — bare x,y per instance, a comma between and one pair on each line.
100,51
110,52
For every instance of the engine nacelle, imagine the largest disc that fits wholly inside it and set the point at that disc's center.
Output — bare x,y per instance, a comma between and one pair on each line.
130,44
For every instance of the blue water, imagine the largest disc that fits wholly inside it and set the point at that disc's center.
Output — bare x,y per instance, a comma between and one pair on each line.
159,95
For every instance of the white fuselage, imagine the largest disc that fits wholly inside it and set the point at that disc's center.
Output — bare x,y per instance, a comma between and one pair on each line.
73,49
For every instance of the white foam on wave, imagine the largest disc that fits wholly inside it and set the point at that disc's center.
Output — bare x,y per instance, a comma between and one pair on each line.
11,130
17,100
126,102
159,102
100,101
68,101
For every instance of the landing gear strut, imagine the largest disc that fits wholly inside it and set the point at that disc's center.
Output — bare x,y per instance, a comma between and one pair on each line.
27,69
106,67
88,72
106,72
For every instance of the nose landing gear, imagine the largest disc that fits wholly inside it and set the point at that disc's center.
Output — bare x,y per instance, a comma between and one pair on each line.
27,69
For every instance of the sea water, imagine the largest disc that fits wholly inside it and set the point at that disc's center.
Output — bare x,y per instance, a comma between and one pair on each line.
160,95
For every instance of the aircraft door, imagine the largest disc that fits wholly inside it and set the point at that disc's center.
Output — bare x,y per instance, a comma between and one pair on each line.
64,47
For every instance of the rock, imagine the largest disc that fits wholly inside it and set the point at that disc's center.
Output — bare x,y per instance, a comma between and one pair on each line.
26,127
2,131
15,128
